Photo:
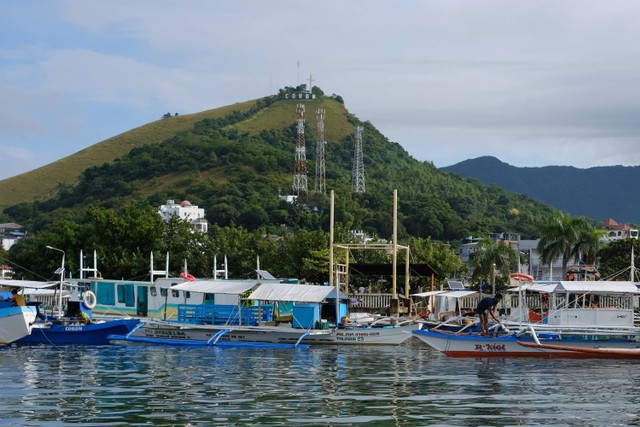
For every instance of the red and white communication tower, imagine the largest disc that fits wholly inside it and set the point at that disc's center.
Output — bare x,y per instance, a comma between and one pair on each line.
321,186
300,165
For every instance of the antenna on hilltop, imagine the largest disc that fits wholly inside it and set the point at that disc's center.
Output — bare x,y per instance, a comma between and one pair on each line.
310,83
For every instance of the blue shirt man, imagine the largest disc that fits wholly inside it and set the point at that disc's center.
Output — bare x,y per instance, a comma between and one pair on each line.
487,306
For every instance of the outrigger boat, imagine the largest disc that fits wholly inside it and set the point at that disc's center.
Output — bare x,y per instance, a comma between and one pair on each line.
571,326
257,318
68,326
585,343
229,319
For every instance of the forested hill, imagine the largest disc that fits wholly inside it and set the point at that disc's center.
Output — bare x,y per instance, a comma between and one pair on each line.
234,162
599,193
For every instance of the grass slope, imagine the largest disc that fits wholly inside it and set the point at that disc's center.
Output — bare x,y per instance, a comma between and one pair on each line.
43,183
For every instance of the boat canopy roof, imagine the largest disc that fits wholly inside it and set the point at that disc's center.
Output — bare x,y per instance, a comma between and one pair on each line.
291,293
452,294
599,287
589,286
31,284
231,287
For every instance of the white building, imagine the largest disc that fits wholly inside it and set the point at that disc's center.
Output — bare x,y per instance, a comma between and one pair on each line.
186,212
617,231
10,233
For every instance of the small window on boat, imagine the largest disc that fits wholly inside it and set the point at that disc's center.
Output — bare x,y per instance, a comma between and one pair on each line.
187,294
153,291
163,292
126,294
175,293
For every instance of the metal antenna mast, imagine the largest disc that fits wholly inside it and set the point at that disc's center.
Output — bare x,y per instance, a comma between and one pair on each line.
321,186
300,165
358,166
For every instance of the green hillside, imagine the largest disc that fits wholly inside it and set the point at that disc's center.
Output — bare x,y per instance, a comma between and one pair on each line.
44,182
233,162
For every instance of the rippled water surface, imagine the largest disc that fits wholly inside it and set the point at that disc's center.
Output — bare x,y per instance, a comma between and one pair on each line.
410,385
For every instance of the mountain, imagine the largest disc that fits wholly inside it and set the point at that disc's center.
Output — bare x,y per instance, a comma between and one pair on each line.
234,162
599,193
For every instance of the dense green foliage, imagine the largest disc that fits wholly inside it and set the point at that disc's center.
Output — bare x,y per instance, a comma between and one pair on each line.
492,264
615,260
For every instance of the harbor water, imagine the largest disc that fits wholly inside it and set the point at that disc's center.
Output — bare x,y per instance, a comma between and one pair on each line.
409,385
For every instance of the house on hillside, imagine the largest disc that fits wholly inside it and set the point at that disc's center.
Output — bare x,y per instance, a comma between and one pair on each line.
617,231
186,212
11,233
6,272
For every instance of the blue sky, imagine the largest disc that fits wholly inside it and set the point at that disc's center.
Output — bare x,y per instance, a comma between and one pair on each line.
534,83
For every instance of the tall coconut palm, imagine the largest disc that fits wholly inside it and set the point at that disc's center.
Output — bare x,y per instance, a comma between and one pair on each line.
493,259
565,237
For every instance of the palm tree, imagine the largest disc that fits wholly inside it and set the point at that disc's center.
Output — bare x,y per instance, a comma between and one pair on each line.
589,245
493,259
567,238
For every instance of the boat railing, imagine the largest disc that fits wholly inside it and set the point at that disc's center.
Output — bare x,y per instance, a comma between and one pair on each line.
219,314
372,301
593,331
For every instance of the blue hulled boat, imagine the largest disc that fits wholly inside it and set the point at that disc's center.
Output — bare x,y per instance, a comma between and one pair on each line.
68,331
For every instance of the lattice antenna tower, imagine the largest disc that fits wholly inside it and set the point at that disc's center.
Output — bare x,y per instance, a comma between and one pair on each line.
300,165
321,185
357,176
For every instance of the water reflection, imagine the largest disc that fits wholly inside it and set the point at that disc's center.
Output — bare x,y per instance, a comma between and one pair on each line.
370,386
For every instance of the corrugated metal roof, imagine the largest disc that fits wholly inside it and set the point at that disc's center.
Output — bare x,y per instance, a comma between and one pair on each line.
230,287
294,293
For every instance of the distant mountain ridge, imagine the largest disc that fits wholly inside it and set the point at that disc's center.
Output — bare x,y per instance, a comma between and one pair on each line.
599,193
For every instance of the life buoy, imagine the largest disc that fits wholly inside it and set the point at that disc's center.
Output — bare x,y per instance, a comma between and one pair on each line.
89,299
188,277
522,277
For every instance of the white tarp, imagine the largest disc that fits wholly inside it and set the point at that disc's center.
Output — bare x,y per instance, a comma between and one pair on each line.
31,284
293,293
231,287
459,294
448,301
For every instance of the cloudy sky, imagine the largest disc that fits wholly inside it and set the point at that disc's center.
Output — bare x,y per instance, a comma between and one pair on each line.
534,83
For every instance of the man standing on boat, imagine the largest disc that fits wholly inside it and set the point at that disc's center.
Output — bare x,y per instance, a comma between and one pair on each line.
487,306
